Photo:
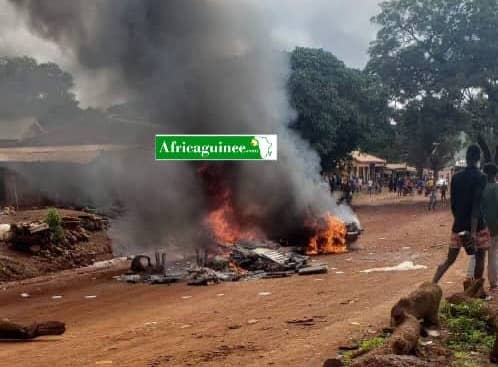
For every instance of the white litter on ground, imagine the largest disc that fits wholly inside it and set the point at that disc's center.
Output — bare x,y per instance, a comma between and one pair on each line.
339,272
264,294
404,266
108,263
5,232
220,295
56,297
25,295
90,297
186,297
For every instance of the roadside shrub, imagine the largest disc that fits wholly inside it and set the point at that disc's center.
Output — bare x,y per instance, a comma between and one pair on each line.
54,222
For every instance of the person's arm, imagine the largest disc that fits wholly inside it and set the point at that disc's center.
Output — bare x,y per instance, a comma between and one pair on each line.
476,206
453,197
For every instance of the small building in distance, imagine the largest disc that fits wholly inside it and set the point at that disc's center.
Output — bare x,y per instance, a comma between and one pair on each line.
42,175
366,166
399,169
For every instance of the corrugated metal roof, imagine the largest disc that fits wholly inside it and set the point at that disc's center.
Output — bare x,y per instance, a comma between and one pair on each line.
366,158
400,167
81,154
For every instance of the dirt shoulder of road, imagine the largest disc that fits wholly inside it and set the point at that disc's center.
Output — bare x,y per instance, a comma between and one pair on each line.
17,265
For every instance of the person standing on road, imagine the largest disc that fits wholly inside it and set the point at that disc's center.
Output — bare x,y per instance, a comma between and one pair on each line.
466,194
433,200
444,188
489,206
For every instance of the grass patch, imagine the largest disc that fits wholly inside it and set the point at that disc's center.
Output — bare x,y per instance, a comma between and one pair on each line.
366,345
468,326
463,359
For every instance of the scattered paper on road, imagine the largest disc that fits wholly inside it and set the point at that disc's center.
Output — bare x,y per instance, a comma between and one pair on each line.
404,266
264,294
25,295
90,297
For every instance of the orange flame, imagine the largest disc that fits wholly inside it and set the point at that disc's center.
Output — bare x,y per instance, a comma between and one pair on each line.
329,237
224,225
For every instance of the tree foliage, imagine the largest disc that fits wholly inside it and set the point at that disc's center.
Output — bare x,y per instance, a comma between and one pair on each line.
31,89
429,132
339,109
444,49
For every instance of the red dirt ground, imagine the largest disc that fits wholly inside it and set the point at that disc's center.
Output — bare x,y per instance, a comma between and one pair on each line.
156,326
96,249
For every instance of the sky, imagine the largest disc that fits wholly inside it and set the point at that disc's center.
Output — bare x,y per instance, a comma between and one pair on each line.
340,26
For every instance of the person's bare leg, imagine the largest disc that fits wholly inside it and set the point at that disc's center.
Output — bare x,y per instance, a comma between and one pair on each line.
443,268
480,259
492,271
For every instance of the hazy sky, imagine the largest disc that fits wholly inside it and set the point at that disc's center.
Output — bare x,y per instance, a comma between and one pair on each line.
340,26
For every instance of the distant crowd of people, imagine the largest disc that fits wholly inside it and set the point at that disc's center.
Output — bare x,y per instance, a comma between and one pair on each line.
403,185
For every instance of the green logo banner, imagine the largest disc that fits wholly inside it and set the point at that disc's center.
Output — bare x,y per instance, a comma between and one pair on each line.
216,147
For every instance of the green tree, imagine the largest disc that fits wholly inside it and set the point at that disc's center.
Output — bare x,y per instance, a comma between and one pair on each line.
429,133
339,109
441,48
40,90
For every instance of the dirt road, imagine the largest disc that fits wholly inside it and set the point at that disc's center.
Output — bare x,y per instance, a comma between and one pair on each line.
231,324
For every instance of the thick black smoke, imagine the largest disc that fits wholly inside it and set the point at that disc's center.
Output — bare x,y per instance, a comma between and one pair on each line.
192,67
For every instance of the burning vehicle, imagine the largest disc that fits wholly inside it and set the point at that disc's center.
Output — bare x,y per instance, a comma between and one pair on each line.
238,245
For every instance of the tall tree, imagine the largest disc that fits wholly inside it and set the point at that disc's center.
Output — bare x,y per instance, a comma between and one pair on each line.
440,48
429,132
40,90
338,108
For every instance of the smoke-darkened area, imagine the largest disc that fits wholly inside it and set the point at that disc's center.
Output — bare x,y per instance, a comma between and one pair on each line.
190,67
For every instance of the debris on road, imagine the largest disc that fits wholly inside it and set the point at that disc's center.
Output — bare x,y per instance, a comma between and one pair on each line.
247,261
302,322
313,270
12,331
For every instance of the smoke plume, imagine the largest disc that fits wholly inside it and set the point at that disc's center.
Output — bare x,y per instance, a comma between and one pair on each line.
190,67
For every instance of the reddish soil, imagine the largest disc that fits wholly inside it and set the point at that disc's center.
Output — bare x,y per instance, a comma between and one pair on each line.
155,326
15,265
